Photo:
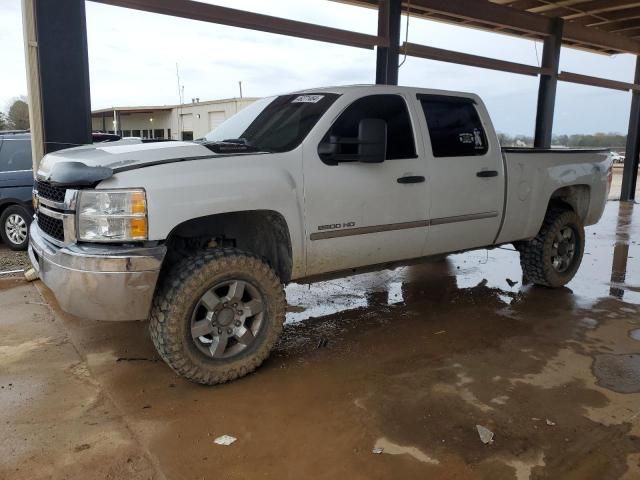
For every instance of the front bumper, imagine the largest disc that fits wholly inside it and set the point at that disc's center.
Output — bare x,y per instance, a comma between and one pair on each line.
98,282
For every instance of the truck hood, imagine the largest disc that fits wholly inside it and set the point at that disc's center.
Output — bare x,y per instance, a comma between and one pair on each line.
90,164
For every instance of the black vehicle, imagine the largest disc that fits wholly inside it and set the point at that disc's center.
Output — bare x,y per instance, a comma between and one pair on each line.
16,185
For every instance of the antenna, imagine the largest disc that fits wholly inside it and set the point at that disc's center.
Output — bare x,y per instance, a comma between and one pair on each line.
180,102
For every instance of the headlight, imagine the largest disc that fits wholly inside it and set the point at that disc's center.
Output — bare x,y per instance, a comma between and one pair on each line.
112,215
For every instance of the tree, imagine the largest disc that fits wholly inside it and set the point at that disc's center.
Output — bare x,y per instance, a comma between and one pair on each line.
18,115
3,122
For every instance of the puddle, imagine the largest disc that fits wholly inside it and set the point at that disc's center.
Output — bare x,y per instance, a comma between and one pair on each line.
589,323
620,373
490,278
13,353
391,448
523,467
635,334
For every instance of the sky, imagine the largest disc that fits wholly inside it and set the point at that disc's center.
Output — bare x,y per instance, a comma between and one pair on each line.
133,57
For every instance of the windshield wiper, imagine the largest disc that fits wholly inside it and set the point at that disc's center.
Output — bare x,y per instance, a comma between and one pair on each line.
241,141
234,145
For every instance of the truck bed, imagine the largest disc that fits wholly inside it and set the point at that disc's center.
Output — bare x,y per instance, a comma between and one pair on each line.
534,175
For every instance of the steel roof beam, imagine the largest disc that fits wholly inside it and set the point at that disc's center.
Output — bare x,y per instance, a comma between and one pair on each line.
597,81
512,18
592,7
254,21
493,17
450,56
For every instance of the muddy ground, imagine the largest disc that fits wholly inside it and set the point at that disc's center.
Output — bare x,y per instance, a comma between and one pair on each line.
12,261
406,362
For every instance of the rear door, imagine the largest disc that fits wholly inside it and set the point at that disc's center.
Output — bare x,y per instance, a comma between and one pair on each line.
359,214
466,174
16,177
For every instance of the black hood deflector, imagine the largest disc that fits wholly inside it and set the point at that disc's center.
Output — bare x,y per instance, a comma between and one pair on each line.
66,174
78,174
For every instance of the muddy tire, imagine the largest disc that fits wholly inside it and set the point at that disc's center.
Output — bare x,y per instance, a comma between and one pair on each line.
217,315
552,258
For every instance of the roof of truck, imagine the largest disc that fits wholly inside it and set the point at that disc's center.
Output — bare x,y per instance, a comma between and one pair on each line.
373,88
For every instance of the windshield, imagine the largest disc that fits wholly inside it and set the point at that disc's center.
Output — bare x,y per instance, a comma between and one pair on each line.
274,124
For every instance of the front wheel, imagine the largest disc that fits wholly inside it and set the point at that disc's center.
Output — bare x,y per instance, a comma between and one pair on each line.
14,222
553,257
217,315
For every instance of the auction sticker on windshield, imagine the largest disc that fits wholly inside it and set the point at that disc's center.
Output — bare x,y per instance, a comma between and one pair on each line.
307,99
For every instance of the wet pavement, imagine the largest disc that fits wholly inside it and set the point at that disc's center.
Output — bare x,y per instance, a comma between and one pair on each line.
405,363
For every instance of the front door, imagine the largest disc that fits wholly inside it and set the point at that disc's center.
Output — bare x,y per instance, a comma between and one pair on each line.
358,213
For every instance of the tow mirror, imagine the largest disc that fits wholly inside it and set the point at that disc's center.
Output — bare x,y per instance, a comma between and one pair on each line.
370,146
372,140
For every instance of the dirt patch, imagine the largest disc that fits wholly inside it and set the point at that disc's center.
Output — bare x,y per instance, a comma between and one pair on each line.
11,260
620,373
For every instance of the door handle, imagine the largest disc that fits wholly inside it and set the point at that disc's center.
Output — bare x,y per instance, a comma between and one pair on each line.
411,179
487,173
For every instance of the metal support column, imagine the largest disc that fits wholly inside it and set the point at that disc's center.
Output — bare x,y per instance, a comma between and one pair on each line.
58,73
387,58
632,154
548,85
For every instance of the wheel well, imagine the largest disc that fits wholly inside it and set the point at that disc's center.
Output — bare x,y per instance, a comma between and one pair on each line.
10,203
575,197
262,232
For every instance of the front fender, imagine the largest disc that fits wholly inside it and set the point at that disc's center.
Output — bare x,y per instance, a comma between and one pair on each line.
179,192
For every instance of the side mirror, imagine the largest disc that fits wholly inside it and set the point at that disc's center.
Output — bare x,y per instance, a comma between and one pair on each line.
370,146
372,140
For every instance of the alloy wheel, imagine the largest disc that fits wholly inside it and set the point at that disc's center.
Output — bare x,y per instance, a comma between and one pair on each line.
227,319
16,229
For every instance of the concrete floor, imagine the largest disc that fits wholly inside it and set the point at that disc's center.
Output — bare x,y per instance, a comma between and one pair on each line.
409,360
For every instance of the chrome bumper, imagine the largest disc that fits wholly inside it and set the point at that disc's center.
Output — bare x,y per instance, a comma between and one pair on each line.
98,282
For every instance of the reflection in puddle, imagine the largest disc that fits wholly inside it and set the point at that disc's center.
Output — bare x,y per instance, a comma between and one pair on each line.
607,269
385,446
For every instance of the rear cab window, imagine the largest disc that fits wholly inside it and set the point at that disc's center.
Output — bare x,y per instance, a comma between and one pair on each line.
388,107
454,126
15,154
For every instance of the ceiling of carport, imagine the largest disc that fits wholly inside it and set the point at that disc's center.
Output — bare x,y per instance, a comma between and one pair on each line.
603,26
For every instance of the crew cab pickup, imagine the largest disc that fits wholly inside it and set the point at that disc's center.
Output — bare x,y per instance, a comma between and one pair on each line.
200,237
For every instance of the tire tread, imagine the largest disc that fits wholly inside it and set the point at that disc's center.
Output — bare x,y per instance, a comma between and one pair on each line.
170,300
533,253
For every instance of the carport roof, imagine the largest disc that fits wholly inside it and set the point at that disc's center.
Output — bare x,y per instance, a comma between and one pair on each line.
604,26
132,109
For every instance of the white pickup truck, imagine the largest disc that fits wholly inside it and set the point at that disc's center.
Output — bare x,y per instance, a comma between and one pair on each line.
200,237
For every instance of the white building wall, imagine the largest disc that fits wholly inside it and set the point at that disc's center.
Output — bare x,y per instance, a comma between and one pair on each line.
200,118
138,124
194,119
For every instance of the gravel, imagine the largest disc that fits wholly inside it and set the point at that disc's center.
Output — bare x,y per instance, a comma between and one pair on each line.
10,260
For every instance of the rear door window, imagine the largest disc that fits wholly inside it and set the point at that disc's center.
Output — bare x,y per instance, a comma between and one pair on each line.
454,126
15,154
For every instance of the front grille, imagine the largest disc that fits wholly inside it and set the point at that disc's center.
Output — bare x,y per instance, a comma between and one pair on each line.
48,191
51,226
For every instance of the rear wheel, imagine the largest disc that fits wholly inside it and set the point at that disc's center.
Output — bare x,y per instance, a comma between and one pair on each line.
553,257
217,315
14,222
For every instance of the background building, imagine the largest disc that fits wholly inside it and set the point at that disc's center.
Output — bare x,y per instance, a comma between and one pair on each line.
177,122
